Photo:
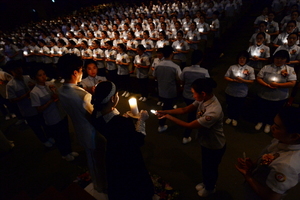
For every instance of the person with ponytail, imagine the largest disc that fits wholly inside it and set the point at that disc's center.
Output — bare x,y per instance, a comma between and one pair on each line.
127,176
209,122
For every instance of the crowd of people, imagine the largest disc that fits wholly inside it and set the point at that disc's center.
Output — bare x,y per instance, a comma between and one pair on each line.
107,44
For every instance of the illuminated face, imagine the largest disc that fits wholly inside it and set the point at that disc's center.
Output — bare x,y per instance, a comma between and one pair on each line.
290,27
41,76
145,35
179,36
79,75
91,70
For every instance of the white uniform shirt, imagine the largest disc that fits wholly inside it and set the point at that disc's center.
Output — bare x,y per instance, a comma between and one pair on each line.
182,45
145,61
294,52
77,104
166,74
236,89
261,51
267,39
271,73
189,75
210,116
123,69
39,96
89,81
16,88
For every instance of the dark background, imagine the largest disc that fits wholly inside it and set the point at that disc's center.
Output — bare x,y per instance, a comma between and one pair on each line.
16,12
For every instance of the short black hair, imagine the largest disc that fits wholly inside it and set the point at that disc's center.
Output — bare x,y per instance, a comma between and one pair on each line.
167,51
67,64
197,56
243,53
282,54
204,85
290,117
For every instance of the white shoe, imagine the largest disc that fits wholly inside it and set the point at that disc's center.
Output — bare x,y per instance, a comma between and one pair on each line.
48,144
13,115
144,99
205,193
141,98
127,94
186,140
52,80
62,80
234,122
7,117
162,128
267,128
258,126
74,154
124,93
200,186
158,103
175,106
68,157
228,121
162,104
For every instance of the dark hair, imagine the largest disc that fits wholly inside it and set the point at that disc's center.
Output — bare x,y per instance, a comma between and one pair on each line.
204,85
167,51
13,65
42,41
132,33
123,47
62,42
53,41
147,32
282,54
163,33
261,33
72,42
89,61
263,22
197,56
97,42
67,64
243,53
294,33
141,47
292,21
34,70
109,42
102,90
85,42
181,32
290,117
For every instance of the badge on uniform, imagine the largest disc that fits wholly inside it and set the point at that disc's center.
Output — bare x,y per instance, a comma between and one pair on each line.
280,177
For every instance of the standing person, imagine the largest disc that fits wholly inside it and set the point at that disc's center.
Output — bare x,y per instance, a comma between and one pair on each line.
238,76
122,62
277,169
18,91
181,49
110,58
77,104
167,74
275,81
44,98
188,76
209,122
127,176
142,64
89,83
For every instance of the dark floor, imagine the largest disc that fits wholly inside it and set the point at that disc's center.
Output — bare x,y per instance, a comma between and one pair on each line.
30,168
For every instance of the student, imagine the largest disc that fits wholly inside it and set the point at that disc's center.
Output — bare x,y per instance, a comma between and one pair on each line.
122,62
44,98
77,104
276,170
181,48
110,59
209,122
188,76
89,83
275,81
147,43
238,76
259,53
142,64
127,176
292,48
99,57
18,91
167,74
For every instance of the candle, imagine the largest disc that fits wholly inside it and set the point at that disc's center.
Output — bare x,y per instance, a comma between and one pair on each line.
191,37
173,29
274,79
186,28
153,111
138,61
133,106
60,52
41,51
25,53
95,55
31,51
256,53
211,26
201,30
178,47
160,30
51,51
